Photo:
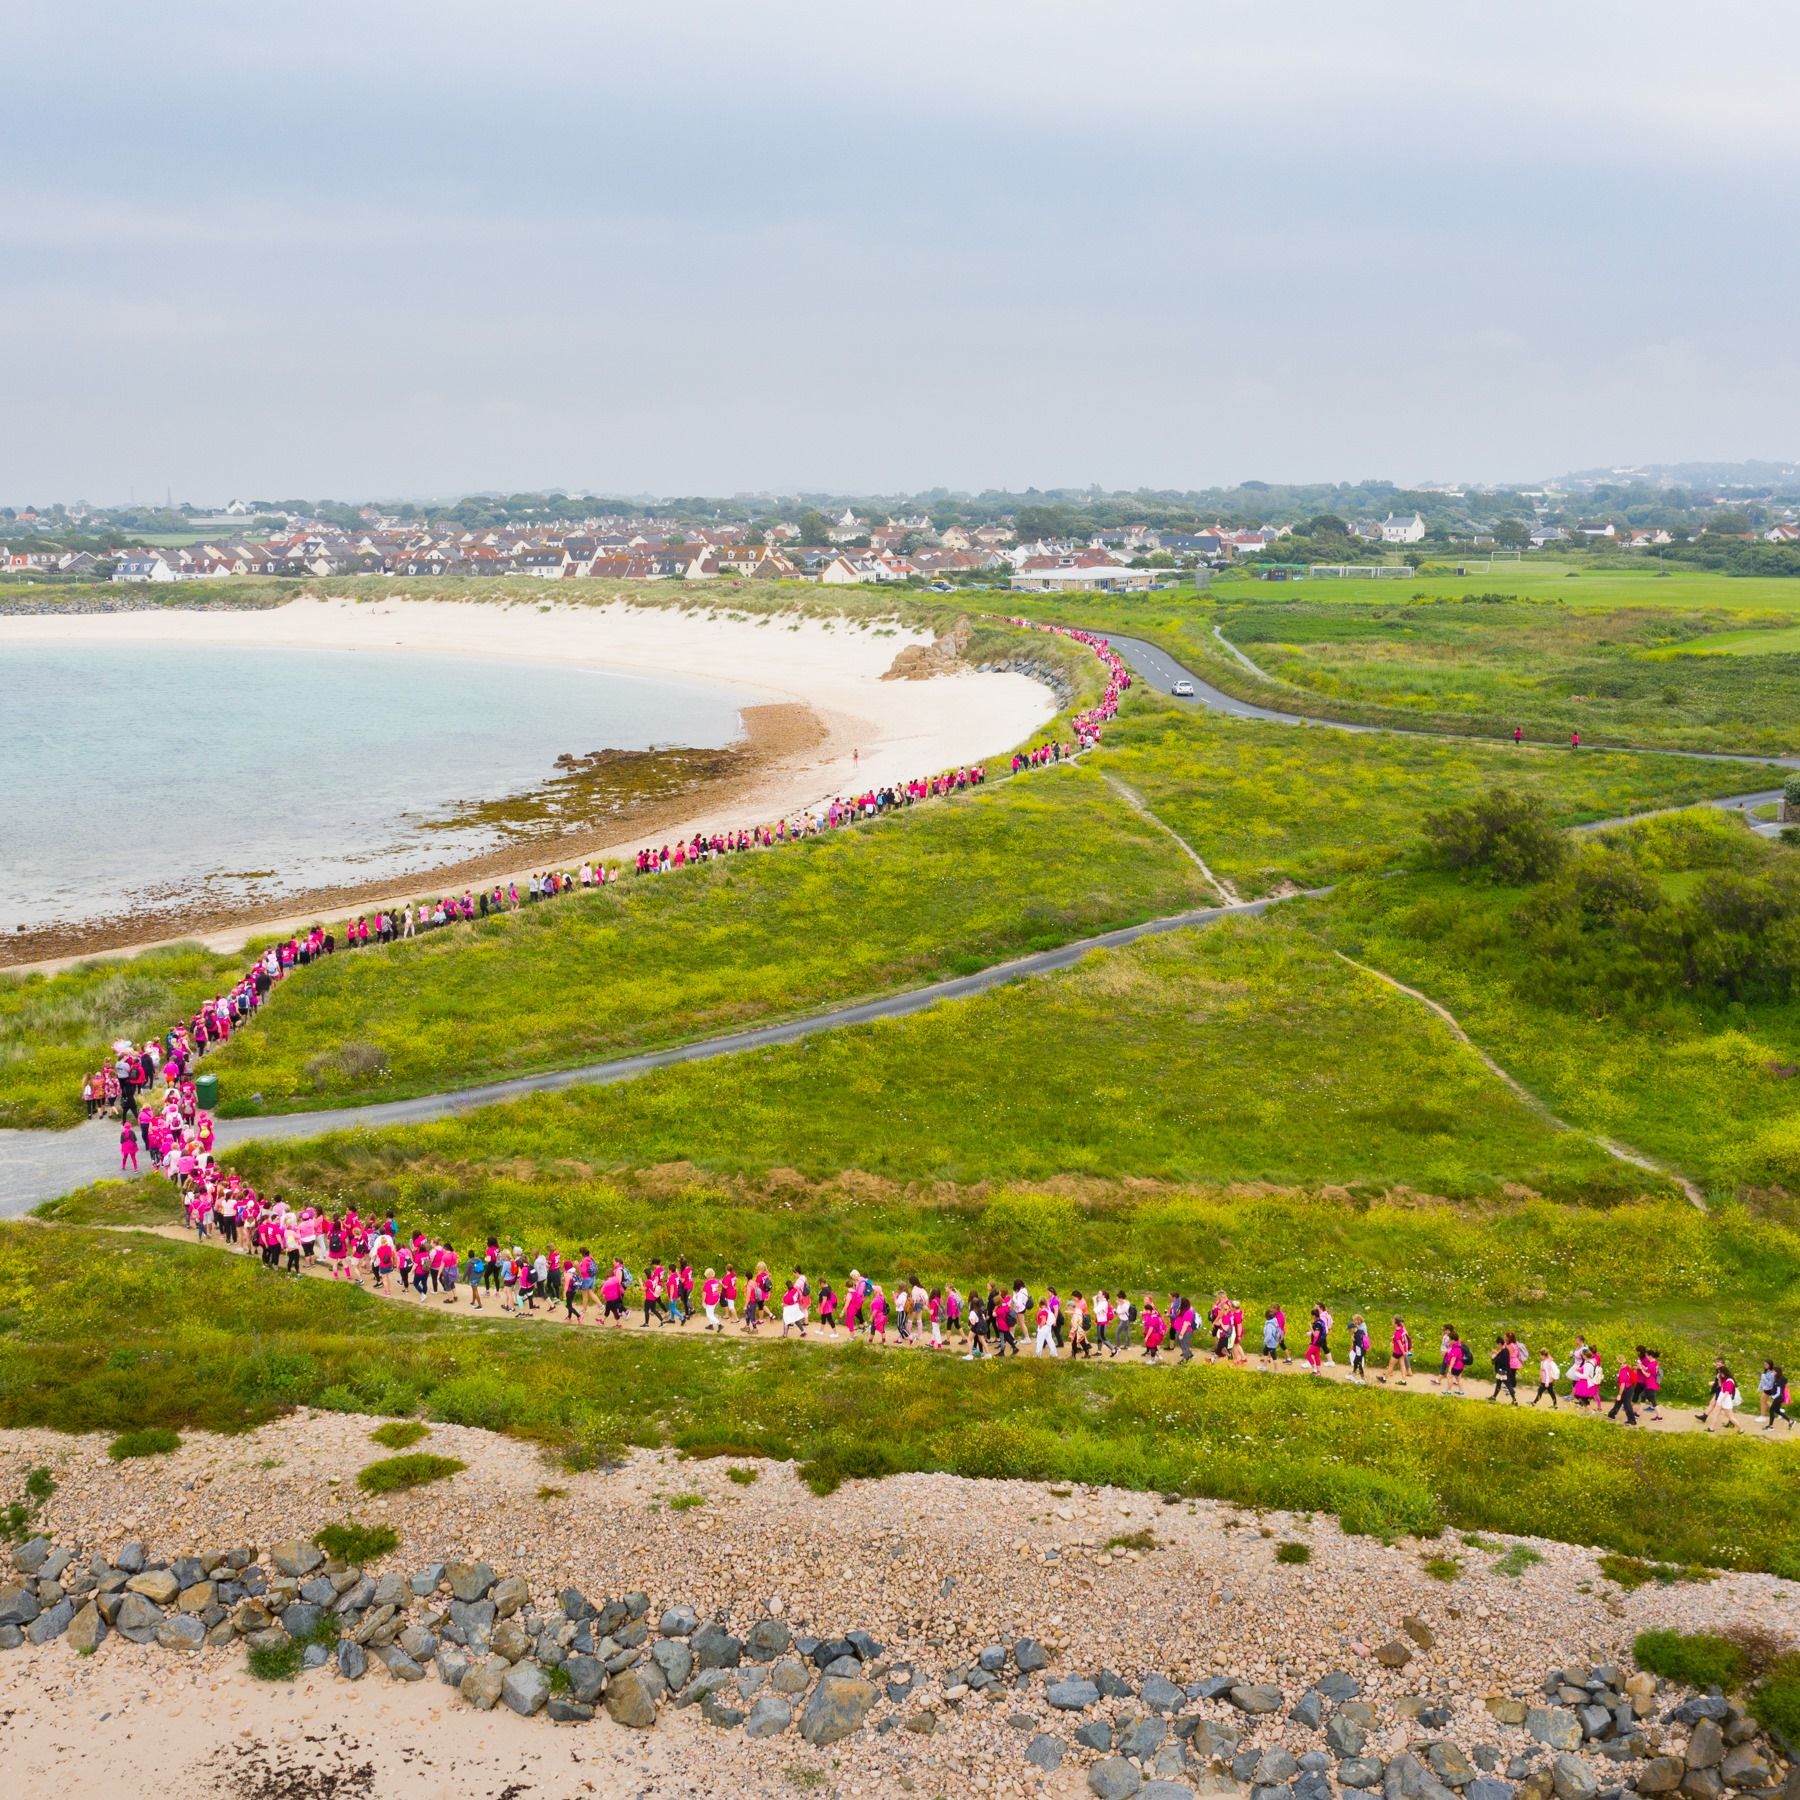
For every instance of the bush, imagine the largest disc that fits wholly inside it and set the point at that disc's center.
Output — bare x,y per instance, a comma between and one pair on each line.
743,1477
1505,834
355,1544
1444,1568
399,1434
1698,1659
275,1662
1516,1560
147,1440
1790,790
1776,1703
398,1474
1293,1552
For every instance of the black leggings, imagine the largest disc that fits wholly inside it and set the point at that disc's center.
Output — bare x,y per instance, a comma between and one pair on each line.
1509,1380
1545,1387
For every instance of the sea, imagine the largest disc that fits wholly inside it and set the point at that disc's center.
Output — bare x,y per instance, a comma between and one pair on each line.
139,777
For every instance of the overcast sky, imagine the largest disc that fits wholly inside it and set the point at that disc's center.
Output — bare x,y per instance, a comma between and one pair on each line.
409,247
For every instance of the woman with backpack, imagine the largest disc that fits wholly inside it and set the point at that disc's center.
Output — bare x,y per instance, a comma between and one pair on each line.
1399,1354
1359,1350
1778,1401
1548,1376
1722,1401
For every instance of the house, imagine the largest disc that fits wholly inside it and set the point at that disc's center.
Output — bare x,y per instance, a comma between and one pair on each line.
544,562
1783,533
1547,534
1089,571
1608,531
1396,530
1641,537
237,510
143,565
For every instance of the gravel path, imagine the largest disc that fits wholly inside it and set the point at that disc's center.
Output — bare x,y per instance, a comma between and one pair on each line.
935,1566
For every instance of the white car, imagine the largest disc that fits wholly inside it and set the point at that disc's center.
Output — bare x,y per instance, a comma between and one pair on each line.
1183,690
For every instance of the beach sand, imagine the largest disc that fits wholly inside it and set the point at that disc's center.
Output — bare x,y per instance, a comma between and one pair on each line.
820,721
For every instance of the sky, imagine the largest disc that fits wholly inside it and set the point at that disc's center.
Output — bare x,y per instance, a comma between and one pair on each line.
406,248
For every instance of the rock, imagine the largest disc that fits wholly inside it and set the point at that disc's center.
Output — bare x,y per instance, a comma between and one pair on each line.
1484,1787
1212,1687
1210,1783
767,1639
1043,1752
182,1631
1394,1654
51,1623
130,1558
424,1582
55,1564
1029,1656
137,1619
1114,1779
1699,1706
524,1688
1555,1726
509,1595
864,1645
470,1581
1420,1633
708,1681
561,1711
1273,1767
636,1604
399,1665
1309,1710
1111,1686
715,1648
993,1658
1487,1758
1360,1772
87,1630
1165,1790
1596,1721
1094,1734
321,1591
1703,1784
301,1619
1745,1766
675,1659
352,1659
1071,1694
717,1710
511,1640
314,1656
198,1598
473,1619
1344,1737
1572,1777
1255,1697
678,1621
769,1717
31,1556
156,1585
393,1589
418,1643
1505,1711
1706,1746
789,1676
632,1694
587,1678
837,1708
1160,1694
1141,1738
1449,1764
295,1559
482,1686
1660,1775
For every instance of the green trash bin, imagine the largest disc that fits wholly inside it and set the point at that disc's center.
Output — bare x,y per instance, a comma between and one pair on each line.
206,1090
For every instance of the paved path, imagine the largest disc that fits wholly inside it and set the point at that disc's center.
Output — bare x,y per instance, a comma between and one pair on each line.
40,1165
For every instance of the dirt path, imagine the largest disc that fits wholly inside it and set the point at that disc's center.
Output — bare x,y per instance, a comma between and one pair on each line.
550,1315
1136,801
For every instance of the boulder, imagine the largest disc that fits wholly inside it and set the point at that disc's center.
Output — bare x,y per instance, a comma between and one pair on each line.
424,1582
1274,1766
1043,1752
678,1621
717,1710
1071,1694
302,1619
1094,1734
562,1711
470,1581
1555,1726
1706,1746
525,1687
295,1559
1572,1777
137,1619
1504,1710
31,1556
352,1659
399,1665
1160,1694
1212,1738
1142,1737
1255,1697
1309,1710
87,1630
130,1558
53,1622
1360,1772
587,1678
511,1640
314,1656
198,1598
181,1631
632,1694
675,1659
1113,1778
1745,1766
838,1706
481,1687
1449,1764
715,1648
851,1667
1344,1737
1660,1775
767,1639
769,1717
789,1676
1165,1790
509,1594
157,1585
1484,1787
1029,1656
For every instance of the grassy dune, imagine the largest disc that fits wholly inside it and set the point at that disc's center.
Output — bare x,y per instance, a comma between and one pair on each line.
213,1342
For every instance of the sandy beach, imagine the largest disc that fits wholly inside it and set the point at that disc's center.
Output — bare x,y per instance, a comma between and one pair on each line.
821,720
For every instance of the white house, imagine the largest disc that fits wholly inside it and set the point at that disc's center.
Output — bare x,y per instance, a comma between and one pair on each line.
1085,571
146,567
1402,531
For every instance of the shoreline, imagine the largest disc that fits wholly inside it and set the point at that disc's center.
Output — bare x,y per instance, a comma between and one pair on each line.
827,716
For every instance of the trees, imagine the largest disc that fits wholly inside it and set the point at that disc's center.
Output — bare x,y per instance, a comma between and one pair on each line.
1510,534
1506,835
814,527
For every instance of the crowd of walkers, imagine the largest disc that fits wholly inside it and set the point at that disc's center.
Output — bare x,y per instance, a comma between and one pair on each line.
117,1088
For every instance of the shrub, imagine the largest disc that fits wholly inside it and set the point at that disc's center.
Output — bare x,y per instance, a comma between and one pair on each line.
1293,1551
1444,1568
1133,1540
1776,1703
1516,1560
356,1544
147,1440
399,1434
1507,835
743,1477
686,1502
275,1662
1697,1659
1633,1572
1790,790
397,1474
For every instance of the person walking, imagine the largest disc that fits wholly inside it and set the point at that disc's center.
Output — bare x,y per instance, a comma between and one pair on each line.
1548,1376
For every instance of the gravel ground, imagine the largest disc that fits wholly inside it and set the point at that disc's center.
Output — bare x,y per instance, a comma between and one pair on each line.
934,1566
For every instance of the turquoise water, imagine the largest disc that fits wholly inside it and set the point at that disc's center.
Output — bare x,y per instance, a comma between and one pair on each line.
132,777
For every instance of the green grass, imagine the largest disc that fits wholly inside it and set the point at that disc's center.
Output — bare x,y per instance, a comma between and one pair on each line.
399,1434
1696,1659
1702,1084
219,1342
1515,1561
143,1440
275,1662
742,1477
685,1502
1293,1552
354,1545
1775,1703
1268,804
1144,1540
1444,1568
400,1474
1633,1572
1240,1051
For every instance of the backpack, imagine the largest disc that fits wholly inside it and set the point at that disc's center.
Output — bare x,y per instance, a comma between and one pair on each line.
337,1242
